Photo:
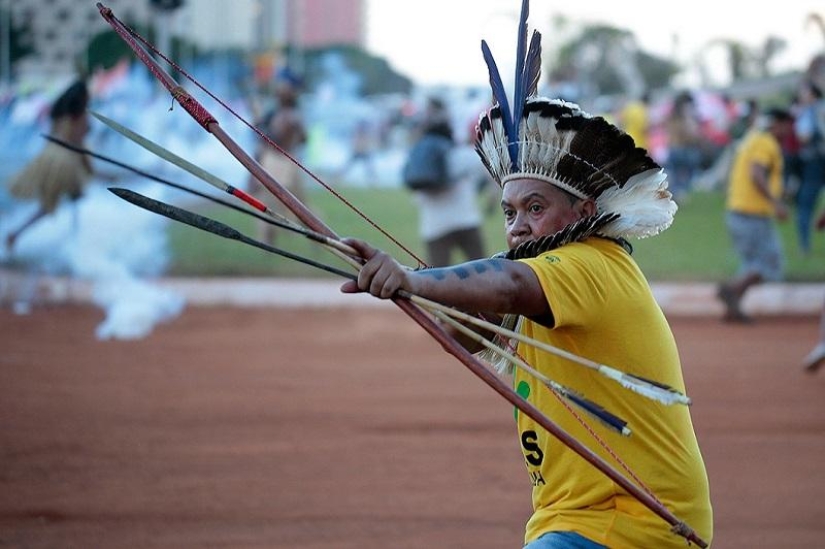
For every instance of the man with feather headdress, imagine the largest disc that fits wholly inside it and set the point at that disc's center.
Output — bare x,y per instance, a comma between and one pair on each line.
574,188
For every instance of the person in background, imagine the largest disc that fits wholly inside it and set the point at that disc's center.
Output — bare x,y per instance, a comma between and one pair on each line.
284,125
450,218
634,119
810,131
683,144
716,176
744,121
816,358
361,152
57,172
754,200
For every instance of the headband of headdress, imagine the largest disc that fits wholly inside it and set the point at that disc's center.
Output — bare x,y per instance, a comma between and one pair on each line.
555,141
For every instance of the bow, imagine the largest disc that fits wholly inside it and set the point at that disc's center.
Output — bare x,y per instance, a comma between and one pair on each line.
447,315
308,218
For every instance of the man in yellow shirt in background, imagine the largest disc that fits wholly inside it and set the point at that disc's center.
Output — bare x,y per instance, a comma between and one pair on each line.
634,120
754,200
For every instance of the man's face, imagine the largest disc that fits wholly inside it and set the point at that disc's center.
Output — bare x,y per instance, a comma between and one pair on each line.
534,208
781,129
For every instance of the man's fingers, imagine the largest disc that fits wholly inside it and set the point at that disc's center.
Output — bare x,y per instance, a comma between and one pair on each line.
364,250
381,275
350,287
366,275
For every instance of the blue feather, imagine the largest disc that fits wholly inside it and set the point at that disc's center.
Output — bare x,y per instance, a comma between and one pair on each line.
500,97
519,94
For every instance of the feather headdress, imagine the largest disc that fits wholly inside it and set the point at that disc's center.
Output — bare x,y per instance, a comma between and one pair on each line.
555,141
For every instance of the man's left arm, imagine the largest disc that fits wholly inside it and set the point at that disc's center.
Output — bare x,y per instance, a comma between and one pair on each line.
760,176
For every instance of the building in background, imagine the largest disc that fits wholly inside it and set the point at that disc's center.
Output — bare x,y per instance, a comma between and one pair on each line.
61,29
321,23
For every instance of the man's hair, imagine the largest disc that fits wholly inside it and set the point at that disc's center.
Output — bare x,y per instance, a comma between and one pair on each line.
72,102
778,114
816,91
439,127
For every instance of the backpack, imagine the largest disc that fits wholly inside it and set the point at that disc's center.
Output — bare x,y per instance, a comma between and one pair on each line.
426,166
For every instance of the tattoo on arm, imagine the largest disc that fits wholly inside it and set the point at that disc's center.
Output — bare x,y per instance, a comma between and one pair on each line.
463,271
483,265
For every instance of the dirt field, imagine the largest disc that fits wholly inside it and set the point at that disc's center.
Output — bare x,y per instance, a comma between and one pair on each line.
251,428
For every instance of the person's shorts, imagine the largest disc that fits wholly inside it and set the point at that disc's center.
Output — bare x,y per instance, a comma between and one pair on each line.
757,244
563,540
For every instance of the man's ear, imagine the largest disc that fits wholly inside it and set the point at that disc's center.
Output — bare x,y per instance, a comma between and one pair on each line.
587,208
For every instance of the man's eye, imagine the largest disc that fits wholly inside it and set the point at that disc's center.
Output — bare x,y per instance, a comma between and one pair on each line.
535,208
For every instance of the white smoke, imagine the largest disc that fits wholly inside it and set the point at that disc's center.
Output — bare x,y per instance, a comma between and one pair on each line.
119,250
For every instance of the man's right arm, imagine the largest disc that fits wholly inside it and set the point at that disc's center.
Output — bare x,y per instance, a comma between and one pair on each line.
485,285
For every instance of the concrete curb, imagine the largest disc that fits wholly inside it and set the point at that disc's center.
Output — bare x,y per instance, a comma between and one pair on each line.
683,299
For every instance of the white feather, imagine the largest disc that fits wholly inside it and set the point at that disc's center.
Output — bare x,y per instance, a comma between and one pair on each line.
642,387
644,204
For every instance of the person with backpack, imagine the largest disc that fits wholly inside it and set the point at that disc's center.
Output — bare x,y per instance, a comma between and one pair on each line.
442,175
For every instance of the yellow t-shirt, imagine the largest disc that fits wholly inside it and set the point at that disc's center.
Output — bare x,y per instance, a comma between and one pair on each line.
758,147
634,120
604,311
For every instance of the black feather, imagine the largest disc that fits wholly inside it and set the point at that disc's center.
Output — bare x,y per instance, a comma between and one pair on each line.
532,66
612,154
580,230
519,95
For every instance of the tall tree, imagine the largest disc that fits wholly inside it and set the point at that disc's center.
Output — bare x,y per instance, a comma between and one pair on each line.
608,60
771,47
17,44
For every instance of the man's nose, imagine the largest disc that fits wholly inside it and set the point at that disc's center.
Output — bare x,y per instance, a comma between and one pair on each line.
519,226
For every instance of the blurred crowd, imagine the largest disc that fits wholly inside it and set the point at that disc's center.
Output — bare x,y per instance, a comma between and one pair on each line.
694,134
362,141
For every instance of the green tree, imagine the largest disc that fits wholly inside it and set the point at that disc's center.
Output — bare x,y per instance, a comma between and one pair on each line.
738,54
771,47
19,40
377,77
106,48
609,61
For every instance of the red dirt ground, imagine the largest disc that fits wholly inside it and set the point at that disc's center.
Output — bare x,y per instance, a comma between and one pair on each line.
251,428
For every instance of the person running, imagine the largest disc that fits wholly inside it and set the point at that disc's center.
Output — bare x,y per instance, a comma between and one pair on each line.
754,199
57,172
